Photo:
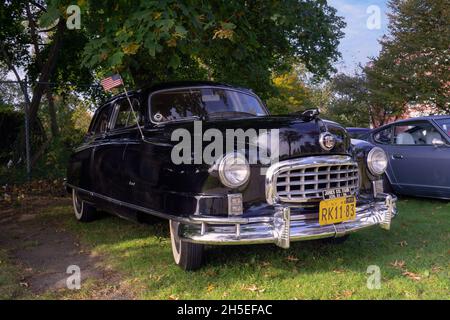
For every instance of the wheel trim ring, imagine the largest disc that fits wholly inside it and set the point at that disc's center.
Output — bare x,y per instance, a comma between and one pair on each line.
78,205
175,241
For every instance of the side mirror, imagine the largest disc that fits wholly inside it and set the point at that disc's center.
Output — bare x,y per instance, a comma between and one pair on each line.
438,143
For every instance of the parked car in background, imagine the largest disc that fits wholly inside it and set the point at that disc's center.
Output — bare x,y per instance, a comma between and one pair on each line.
320,186
358,133
419,155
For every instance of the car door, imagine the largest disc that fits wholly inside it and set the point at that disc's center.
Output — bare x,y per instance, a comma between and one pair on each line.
100,142
111,178
419,165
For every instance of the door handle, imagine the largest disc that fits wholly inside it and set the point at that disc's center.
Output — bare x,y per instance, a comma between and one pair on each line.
397,156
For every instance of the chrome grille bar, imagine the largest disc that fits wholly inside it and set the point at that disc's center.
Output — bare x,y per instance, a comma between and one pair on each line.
305,179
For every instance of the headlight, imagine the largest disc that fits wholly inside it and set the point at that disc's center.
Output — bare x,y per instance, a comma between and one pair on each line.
377,161
234,170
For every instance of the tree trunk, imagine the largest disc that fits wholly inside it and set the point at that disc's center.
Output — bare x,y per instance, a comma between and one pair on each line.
34,40
52,111
46,71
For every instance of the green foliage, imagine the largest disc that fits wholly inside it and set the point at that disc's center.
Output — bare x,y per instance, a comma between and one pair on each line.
292,94
350,103
13,37
231,41
413,66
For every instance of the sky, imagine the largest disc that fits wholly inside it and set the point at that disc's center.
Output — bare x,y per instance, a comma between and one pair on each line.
359,42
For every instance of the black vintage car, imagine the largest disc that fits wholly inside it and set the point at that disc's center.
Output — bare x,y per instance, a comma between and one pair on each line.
209,158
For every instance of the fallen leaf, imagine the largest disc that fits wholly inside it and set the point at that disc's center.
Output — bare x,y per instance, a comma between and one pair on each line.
291,258
254,288
412,275
173,297
338,271
398,264
403,243
210,287
24,284
210,273
435,269
344,294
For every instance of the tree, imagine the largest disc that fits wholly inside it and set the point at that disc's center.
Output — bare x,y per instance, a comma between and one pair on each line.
291,92
349,102
413,64
240,42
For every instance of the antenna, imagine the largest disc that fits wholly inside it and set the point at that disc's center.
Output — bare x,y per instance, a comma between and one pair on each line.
134,112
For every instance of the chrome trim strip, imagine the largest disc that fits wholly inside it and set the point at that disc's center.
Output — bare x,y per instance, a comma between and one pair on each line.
135,207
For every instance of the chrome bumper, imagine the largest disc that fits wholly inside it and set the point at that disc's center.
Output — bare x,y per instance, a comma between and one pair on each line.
282,227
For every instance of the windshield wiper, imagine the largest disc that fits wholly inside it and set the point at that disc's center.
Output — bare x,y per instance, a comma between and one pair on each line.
220,114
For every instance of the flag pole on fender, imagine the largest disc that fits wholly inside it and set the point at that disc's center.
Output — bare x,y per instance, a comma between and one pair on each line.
115,81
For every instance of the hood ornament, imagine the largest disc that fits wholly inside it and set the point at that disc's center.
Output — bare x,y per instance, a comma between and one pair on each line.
327,141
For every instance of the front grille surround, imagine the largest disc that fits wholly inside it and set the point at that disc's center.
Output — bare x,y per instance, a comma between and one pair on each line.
303,180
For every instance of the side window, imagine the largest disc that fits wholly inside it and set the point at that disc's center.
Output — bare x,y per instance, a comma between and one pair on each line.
125,117
418,133
102,121
384,136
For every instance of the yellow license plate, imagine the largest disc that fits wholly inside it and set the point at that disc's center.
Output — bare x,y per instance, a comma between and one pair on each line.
337,210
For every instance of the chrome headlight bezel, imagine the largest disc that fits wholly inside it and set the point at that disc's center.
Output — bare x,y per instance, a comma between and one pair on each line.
225,168
373,158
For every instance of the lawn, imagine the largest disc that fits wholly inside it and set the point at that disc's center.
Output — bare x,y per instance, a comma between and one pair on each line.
414,260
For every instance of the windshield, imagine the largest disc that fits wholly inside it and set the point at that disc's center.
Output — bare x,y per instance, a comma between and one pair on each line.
445,125
187,103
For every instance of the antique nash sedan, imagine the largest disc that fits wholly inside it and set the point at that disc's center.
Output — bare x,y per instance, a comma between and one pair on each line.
322,184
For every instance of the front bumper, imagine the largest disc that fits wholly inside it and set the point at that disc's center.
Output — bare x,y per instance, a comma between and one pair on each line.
282,227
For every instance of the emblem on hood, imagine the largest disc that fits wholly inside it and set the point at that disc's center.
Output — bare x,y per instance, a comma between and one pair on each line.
327,141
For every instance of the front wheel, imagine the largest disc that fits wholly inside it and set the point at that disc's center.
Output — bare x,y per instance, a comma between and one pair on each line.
84,212
189,256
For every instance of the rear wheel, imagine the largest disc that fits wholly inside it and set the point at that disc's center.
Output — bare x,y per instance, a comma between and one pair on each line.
84,212
189,256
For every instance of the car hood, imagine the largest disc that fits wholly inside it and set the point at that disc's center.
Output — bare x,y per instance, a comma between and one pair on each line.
296,137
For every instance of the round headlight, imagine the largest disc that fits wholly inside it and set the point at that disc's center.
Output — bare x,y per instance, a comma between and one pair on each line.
234,170
377,161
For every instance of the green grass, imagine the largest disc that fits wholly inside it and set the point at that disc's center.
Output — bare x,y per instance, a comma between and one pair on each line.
419,239
10,287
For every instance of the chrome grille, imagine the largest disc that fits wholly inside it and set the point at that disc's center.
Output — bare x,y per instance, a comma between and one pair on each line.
304,180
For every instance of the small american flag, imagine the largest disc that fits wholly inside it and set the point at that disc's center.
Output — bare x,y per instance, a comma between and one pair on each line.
111,82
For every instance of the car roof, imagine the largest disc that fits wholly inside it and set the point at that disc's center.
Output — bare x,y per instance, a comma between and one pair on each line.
177,84
180,84
436,117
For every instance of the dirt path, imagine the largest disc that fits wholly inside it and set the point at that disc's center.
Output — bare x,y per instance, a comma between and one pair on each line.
43,250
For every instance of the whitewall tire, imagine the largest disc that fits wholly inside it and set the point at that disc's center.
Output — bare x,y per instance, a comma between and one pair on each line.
84,212
189,256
